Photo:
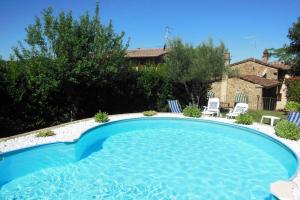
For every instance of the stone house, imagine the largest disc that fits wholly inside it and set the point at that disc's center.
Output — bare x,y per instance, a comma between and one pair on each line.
261,81
141,57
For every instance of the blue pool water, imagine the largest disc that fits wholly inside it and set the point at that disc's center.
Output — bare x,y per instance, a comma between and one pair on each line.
155,158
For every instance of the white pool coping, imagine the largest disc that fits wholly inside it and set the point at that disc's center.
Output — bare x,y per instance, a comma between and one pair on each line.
72,131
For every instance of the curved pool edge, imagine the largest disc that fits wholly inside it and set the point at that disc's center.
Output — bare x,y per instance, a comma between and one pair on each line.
74,137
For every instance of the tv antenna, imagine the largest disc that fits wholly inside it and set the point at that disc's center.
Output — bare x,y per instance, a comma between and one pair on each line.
167,35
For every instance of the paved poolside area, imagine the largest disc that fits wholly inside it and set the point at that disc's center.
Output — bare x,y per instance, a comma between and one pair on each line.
72,131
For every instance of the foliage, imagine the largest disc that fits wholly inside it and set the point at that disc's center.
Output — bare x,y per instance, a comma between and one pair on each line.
45,133
6,105
65,69
290,53
151,87
292,106
257,114
287,130
101,117
195,67
244,119
293,86
149,113
192,111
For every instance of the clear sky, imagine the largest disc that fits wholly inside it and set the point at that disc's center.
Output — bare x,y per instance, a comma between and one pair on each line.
246,27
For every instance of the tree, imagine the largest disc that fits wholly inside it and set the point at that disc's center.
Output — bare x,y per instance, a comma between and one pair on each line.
63,69
195,67
290,53
78,52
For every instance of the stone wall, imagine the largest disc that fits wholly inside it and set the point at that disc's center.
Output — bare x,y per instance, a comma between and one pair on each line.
253,68
216,89
280,105
235,85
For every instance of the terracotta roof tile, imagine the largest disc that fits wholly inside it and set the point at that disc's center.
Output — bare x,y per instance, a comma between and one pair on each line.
281,65
266,83
140,53
276,65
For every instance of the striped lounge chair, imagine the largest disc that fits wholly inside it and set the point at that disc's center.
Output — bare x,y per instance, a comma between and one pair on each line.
174,106
294,117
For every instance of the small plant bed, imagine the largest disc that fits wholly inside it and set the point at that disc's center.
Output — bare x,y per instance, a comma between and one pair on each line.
101,117
246,119
192,111
45,133
149,113
288,130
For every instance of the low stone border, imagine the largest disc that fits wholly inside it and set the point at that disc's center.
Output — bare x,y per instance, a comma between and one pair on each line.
73,130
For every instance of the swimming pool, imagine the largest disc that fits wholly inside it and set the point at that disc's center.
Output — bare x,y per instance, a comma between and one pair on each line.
150,158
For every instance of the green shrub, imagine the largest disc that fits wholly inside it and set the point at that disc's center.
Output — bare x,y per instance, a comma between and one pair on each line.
45,133
293,86
292,106
244,119
101,117
192,111
149,113
287,130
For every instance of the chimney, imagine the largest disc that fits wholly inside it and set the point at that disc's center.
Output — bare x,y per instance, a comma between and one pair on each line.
265,57
227,57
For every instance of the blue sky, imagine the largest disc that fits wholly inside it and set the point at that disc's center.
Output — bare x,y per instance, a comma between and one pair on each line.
238,23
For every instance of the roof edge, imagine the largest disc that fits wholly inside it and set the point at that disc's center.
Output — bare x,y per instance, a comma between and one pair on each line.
258,62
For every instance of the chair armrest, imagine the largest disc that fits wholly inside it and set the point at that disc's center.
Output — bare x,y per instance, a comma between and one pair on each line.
244,111
204,108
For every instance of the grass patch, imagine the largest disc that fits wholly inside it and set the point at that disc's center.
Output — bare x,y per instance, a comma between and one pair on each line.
292,106
257,114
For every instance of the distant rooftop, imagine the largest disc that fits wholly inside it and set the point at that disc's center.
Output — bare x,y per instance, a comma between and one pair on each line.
144,53
157,52
276,65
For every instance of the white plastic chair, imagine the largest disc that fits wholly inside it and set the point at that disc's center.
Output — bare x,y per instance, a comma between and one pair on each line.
240,108
213,107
